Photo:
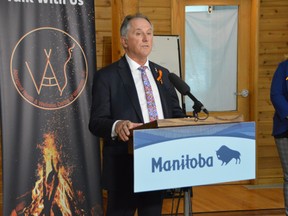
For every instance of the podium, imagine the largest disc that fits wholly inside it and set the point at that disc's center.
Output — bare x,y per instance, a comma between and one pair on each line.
181,153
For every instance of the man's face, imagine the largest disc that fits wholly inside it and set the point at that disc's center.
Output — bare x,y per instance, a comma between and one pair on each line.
138,43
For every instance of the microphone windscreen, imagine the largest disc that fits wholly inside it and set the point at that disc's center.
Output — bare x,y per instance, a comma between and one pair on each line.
179,84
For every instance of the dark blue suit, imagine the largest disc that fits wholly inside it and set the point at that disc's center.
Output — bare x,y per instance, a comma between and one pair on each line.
115,98
279,98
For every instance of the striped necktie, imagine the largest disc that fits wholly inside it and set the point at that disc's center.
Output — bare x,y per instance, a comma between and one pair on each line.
151,106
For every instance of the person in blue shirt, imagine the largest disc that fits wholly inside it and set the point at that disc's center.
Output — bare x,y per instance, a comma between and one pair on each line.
279,99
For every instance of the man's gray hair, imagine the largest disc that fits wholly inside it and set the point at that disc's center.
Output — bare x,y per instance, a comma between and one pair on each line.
126,23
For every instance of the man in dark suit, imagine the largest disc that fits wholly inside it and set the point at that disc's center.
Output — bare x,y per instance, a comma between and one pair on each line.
119,105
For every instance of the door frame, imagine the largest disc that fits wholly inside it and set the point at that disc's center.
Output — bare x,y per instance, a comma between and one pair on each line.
247,59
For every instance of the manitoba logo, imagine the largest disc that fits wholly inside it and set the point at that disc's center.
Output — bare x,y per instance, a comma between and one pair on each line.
49,68
226,154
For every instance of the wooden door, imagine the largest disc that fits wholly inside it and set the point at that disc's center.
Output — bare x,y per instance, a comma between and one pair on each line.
246,48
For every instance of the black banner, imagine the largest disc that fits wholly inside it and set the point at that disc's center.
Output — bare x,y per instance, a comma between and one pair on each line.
51,162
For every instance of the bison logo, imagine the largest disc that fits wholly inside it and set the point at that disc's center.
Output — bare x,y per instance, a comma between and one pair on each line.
226,154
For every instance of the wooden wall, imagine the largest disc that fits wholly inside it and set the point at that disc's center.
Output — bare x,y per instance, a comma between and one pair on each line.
103,22
273,44
158,11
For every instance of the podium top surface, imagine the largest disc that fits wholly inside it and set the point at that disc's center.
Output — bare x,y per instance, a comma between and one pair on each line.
178,122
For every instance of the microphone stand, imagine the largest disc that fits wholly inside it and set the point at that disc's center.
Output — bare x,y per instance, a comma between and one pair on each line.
187,201
197,107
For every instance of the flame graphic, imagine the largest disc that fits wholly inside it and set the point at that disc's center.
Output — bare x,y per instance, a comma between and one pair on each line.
53,194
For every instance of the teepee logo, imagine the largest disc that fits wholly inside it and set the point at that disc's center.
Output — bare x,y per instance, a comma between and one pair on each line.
49,68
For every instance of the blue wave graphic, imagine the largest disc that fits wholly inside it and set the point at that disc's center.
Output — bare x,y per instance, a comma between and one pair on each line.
151,136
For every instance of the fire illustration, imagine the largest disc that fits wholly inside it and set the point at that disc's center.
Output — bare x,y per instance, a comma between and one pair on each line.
53,194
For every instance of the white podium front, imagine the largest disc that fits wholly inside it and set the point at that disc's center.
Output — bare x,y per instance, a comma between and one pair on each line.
200,154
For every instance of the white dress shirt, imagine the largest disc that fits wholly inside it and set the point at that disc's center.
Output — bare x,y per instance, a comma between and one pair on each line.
140,89
136,74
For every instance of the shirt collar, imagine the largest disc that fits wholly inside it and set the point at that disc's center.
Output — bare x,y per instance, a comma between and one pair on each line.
134,65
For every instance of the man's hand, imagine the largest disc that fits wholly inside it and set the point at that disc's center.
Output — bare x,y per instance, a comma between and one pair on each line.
123,128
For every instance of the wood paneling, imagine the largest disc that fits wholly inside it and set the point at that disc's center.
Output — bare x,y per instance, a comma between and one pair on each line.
157,14
155,4
273,44
158,11
274,24
103,24
271,3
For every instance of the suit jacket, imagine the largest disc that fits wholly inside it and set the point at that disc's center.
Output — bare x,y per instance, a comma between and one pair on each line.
115,98
279,98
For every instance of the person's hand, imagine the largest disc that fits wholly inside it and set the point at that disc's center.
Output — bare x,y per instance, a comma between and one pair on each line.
123,128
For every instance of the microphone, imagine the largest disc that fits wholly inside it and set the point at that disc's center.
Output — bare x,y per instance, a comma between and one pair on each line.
184,89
